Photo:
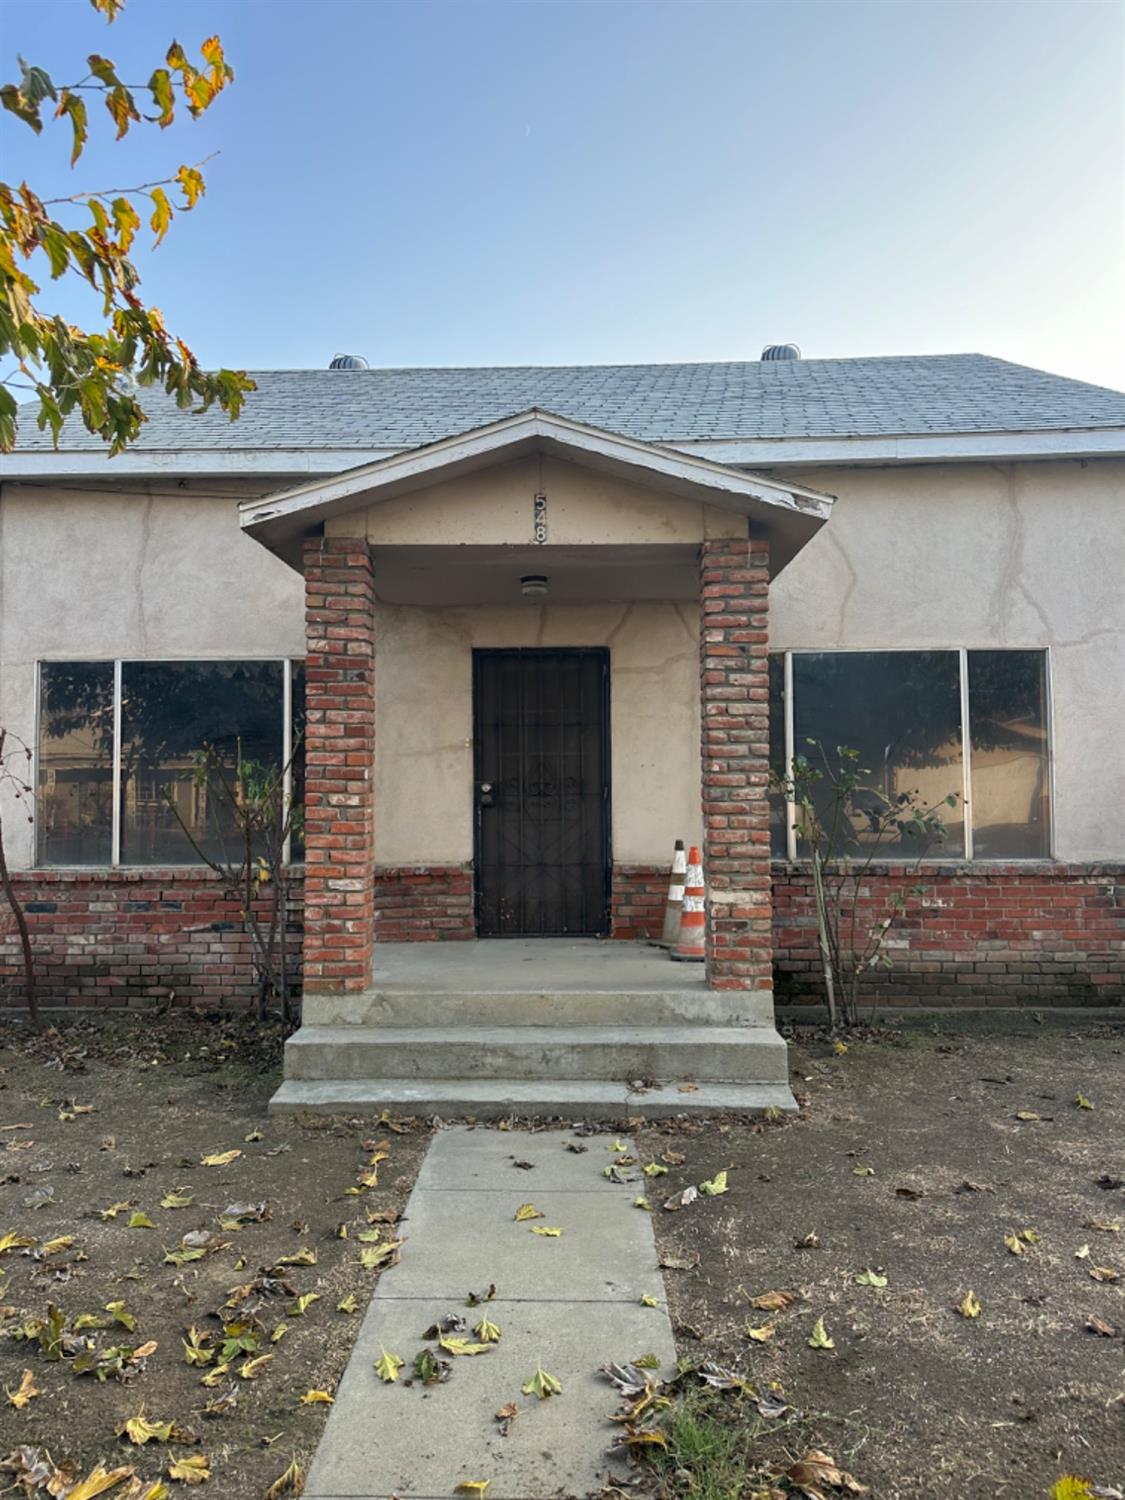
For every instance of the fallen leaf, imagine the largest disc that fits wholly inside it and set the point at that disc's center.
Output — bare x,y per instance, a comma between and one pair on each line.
820,1338
192,1469
969,1306
680,1262
1071,1487
839,1047
98,1481
673,1158
649,1301
23,1394
488,1333
869,1278
527,1211
1014,1244
1099,1326
1105,1273
302,1257
817,1468
773,1301
174,1200
542,1385
140,1430
1082,1253
761,1335
387,1366
348,1305
292,1482
1027,1114
222,1159
715,1186
140,1220
550,1233
655,1169
862,1171
1081,1101
254,1367
681,1200
316,1398
472,1486
380,1255
300,1305
105,1214
642,1203
909,1193
460,1346
811,1241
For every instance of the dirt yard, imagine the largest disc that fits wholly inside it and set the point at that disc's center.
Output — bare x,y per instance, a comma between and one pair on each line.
923,1168
103,1148
920,1171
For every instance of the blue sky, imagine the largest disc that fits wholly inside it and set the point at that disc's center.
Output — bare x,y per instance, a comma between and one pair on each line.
510,183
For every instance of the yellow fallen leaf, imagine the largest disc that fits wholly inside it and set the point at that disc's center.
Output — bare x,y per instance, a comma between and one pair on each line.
173,1200
98,1481
292,1482
27,1388
1014,1244
14,1241
1104,1273
1071,1487
140,1220
1081,1101
140,1430
820,1338
222,1159
473,1486
55,1246
649,1301
300,1307
761,1335
527,1211
316,1398
254,1367
114,1209
303,1257
453,1345
192,1469
969,1306
387,1366
716,1185
488,1333
348,1305
542,1385
1082,1253
551,1234
773,1301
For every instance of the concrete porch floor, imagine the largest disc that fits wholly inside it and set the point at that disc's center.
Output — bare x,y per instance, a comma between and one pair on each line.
523,965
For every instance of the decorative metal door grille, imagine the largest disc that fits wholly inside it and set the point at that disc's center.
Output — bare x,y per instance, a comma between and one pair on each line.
542,792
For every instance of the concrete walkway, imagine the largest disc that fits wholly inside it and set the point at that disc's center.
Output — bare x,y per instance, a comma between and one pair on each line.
572,1303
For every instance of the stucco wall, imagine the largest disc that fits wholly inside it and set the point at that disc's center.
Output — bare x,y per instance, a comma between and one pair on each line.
424,756
986,555
155,572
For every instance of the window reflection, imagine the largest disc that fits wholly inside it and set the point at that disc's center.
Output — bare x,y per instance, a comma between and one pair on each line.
74,802
1008,765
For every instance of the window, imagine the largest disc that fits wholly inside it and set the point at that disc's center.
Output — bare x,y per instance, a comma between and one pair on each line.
972,724
117,746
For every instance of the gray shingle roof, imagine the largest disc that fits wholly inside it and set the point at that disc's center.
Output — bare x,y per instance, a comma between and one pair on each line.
809,398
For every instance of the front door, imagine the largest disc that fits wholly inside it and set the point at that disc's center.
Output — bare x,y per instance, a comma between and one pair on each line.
541,734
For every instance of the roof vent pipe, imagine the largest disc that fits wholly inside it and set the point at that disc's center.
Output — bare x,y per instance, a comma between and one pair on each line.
781,351
348,362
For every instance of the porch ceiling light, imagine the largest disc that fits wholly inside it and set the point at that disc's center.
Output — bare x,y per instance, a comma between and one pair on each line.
533,583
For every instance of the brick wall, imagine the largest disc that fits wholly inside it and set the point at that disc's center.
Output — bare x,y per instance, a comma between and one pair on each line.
734,695
637,897
978,935
132,937
424,903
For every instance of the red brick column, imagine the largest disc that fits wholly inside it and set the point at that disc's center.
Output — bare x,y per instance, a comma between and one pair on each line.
340,765
734,693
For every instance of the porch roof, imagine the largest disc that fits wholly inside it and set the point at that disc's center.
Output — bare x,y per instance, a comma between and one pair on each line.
787,515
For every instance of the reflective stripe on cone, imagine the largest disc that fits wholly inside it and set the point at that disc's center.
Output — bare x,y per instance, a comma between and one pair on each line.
689,947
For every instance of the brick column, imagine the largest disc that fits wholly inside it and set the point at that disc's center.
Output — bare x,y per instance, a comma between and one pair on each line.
734,694
340,765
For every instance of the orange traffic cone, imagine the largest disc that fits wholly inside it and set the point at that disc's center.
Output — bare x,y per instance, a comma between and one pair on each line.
674,905
689,947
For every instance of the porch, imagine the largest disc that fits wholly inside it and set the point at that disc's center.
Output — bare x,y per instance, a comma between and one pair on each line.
537,654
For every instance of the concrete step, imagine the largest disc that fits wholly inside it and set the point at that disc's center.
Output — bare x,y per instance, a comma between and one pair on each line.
705,1054
687,1006
497,1099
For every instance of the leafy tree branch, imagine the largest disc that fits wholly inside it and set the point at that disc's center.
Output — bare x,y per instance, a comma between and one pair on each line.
94,373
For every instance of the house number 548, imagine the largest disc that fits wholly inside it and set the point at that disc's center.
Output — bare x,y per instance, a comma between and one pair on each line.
539,519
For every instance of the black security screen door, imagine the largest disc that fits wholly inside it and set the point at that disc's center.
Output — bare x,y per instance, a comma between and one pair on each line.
542,792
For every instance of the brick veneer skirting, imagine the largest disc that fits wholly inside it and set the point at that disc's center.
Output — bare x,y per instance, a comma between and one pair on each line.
424,903
1014,934
132,937
979,935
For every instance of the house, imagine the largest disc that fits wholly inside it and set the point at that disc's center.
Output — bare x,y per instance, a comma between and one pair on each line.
532,625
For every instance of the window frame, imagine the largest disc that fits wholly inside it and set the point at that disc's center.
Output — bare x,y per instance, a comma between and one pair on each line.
963,653
119,663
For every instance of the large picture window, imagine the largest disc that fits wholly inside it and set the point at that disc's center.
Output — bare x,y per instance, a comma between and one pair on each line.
934,724
117,745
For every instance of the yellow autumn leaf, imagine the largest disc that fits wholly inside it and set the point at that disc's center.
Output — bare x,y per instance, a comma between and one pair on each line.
1071,1487
820,1337
647,1300
761,1335
105,1214
472,1486
387,1366
715,1186
839,1048
254,1367
140,1220
1081,1101
773,1301
488,1333
173,1200
192,1469
140,1430
292,1482
279,1333
316,1398
27,1388
348,1305
527,1211
98,1481
542,1385
14,1241
222,1159
1014,1244
453,1345
55,1246
969,1306
300,1307
551,1234
302,1257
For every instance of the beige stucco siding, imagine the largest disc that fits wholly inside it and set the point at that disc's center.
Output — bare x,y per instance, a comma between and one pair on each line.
494,508
987,556
424,756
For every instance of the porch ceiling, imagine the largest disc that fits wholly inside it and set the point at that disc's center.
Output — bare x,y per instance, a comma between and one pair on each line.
609,574
787,515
